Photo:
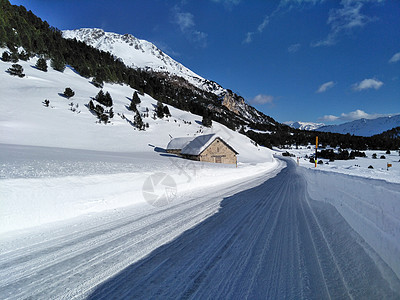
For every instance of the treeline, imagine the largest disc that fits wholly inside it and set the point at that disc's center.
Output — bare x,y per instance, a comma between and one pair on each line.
284,135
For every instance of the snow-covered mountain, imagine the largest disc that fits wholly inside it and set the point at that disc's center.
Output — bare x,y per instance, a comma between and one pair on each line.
364,127
304,125
140,54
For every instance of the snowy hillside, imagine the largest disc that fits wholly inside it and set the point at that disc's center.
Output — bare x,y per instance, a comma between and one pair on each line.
141,54
41,145
304,125
364,127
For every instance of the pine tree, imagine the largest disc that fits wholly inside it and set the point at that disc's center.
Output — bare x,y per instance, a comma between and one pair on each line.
138,122
108,100
207,121
100,96
132,106
69,92
97,82
135,98
166,111
16,70
91,105
160,110
14,57
58,64
41,64
6,56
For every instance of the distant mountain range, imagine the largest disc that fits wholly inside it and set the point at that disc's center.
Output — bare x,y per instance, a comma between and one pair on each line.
304,125
362,127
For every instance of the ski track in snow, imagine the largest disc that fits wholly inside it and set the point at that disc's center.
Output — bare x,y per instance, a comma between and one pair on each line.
267,241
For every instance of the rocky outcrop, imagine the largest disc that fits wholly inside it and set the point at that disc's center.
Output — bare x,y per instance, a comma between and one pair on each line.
233,102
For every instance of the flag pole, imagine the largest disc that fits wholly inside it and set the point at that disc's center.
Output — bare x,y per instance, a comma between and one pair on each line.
316,150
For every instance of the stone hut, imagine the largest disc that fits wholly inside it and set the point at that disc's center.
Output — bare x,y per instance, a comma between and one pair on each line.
209,148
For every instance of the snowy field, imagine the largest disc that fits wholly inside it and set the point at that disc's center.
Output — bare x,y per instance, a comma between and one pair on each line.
357,167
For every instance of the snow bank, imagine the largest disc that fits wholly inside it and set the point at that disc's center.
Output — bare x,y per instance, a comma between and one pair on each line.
371,207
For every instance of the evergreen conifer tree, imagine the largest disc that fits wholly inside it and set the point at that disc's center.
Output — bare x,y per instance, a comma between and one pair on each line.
100,96
207,121
135,98
41,64
6,56
16,70
58,64
69,92
91,105
160,110
108,100
166,111
138,122
97,82
132,106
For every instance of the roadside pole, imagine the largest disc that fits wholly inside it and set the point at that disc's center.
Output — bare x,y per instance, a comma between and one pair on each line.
316,150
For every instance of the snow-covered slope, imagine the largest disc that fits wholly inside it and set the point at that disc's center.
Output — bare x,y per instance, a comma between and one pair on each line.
141,54
364,127
65,140
304,125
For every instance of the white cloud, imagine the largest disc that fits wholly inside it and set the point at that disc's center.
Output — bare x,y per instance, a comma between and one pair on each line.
367,84
294,48
351,116
263,99
395,58
185,21
344,20
328,118
355,115
325,86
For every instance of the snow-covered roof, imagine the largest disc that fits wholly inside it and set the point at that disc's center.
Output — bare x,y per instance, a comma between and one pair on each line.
179,143
199,144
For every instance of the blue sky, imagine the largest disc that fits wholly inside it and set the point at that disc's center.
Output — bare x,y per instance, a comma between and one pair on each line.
295,60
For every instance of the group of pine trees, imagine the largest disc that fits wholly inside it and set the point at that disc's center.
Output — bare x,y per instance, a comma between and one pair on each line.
162,110
104,115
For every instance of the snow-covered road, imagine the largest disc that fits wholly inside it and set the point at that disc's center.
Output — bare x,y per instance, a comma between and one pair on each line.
268,241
